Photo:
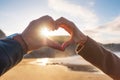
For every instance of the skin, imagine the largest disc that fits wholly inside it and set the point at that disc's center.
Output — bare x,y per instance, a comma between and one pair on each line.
34,41
76,35
31,34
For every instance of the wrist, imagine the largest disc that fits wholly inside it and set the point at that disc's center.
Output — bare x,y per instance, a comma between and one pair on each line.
80,37
19,39
82,40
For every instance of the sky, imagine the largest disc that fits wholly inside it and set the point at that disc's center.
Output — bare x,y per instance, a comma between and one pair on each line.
99,19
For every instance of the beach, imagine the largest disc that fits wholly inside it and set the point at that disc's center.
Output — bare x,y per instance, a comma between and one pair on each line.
70,68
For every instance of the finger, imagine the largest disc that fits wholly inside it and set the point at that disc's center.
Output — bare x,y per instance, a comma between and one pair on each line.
54,45
66,44
66,24
47,21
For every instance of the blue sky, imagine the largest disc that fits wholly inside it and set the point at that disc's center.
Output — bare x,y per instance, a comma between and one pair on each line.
99,19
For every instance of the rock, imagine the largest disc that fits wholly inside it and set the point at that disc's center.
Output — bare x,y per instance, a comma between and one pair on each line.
2,34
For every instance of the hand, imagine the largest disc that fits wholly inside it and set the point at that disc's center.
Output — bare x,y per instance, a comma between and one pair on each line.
31,34
76,35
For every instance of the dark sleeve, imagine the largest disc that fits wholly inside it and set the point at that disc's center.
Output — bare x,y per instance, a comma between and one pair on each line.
11,53
101,58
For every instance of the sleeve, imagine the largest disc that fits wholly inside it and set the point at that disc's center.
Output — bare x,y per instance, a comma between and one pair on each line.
96,54
11,53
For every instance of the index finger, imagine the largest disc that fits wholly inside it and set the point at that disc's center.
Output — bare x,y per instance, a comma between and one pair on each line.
46,21
65,24
54,45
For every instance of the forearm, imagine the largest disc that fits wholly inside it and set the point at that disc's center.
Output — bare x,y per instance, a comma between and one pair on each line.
101,58
11,53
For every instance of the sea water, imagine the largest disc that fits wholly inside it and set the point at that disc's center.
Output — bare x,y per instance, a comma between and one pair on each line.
116,53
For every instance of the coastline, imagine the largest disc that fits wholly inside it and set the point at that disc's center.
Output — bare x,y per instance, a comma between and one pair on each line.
30,69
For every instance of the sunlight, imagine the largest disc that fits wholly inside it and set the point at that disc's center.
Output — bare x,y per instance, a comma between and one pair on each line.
43,61
45,32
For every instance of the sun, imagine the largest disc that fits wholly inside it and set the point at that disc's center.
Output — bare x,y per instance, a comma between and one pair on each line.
45,32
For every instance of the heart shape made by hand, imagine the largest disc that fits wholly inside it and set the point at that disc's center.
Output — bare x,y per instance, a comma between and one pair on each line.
60,36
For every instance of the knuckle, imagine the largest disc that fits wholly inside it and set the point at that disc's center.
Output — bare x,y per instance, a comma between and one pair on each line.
46,16
61,17
32,22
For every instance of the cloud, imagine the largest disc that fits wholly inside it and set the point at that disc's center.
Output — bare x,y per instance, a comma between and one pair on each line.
107,33
91,3
86,16
112,27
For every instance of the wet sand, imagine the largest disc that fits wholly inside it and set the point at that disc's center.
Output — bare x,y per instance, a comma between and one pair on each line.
29,69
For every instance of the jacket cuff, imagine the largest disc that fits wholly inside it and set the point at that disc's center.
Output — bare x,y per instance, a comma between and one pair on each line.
91,51
17,37
88,48
80,47
11,53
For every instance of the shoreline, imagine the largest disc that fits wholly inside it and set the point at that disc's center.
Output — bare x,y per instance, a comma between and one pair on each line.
26,70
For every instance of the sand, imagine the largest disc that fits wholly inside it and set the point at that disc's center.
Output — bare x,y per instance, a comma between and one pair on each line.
27,70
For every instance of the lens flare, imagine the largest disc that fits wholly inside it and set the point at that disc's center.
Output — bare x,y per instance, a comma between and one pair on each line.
45,32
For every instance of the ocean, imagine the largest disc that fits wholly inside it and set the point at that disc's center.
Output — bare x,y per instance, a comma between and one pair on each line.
65,60
117,53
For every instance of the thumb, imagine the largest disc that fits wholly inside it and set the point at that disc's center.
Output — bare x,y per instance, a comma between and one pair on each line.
67,43
54,45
